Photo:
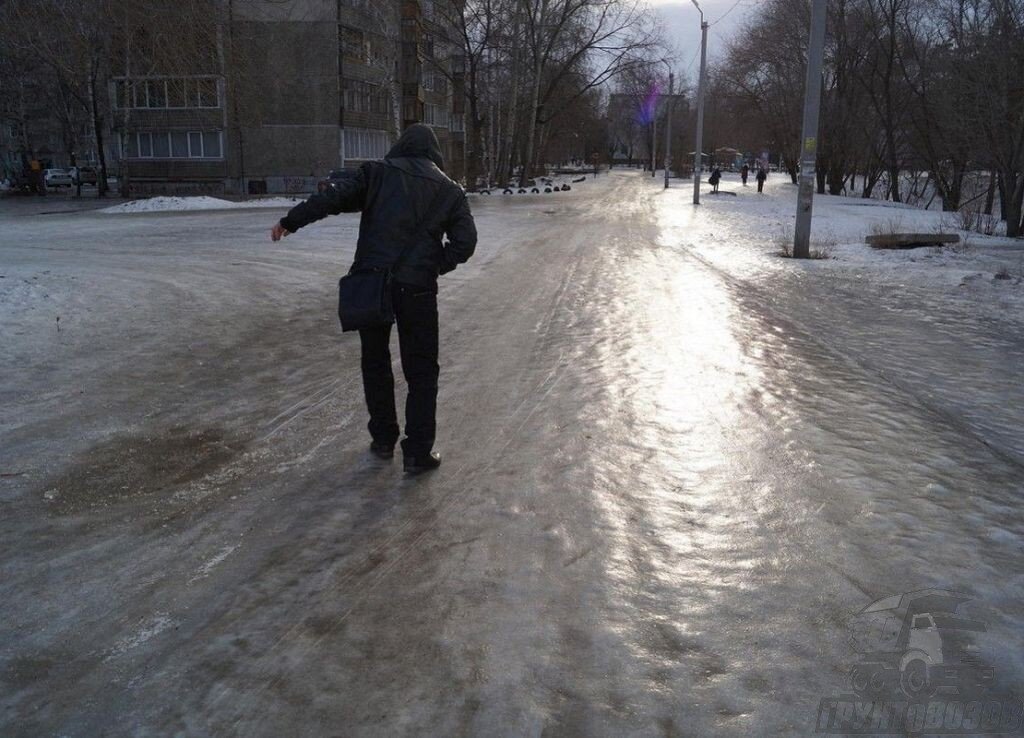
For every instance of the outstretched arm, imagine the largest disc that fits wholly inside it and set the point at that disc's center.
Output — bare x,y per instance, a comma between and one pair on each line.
346,196
461,230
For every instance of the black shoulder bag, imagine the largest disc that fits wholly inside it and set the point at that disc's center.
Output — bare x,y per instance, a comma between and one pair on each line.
364,294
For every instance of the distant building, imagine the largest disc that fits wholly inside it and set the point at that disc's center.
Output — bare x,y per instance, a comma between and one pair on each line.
296,89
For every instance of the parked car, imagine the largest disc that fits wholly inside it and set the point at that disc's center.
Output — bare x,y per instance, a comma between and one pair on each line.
83,175
57,177
336,175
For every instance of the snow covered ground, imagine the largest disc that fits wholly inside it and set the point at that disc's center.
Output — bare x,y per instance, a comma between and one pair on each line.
988,268
676,465
165,203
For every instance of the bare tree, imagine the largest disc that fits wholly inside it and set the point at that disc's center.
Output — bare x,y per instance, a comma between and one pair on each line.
579,45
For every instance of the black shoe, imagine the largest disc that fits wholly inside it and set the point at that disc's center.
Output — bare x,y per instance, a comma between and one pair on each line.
420,464
381,451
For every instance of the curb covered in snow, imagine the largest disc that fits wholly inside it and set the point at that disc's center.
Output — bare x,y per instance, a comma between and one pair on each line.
165,204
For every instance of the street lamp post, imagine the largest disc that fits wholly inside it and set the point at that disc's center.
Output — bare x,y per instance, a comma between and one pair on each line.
697,155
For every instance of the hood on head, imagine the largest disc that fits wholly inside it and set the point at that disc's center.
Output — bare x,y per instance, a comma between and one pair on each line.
418,140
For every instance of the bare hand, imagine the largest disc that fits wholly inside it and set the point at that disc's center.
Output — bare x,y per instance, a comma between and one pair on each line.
278,232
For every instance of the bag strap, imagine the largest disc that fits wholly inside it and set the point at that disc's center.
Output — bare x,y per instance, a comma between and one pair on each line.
416,230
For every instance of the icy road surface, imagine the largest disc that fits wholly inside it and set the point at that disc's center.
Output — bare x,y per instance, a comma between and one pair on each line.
675,466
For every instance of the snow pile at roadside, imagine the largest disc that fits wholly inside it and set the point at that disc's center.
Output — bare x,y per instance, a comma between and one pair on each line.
199,202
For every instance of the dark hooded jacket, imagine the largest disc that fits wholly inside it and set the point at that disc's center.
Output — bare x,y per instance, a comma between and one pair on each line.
408,206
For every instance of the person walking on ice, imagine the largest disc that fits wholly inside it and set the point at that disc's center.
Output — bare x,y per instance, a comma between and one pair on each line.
762,175
408,204
715,178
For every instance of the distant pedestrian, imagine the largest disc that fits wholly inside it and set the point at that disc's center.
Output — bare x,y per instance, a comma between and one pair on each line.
408,205
715,178
762,175
744,172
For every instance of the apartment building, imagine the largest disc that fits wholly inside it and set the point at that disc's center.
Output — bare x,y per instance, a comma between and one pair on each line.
296,89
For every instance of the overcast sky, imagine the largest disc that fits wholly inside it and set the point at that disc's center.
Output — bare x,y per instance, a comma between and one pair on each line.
682,26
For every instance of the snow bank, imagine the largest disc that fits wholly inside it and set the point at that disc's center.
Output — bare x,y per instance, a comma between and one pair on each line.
199,202
744,234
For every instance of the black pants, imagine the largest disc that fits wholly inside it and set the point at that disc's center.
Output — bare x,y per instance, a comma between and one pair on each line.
760,185
416,316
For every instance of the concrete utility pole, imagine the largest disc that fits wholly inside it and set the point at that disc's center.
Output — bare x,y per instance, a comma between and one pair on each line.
668,126
809,141
698,156
654,139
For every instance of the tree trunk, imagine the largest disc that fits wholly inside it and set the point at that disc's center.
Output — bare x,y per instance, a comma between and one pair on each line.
951,191
533,119
1003,198
123,176
1014,226
97,136
894,183
990,195
510,140
532,124
473,133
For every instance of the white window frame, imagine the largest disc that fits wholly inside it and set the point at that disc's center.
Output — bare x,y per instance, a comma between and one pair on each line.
192,156
140,92
436,115
366,143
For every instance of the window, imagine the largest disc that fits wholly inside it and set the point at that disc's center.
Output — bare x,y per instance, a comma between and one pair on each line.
176,95
156,90
128,94
164,93
207,93
363,97
161,145
179,144
352,44
173,145
435,81
923,621
435,115
363,143
458,124
211,144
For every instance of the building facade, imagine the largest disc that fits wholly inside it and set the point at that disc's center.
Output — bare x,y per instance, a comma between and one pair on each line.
295,90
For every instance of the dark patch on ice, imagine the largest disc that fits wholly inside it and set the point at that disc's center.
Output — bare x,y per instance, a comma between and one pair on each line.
757,683
23,671
130,467
710,667
576,557
320,626
674,642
